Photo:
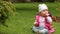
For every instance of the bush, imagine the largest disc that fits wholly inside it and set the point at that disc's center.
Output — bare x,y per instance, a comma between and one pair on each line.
6,9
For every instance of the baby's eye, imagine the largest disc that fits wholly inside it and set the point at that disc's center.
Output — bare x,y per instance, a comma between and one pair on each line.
45,10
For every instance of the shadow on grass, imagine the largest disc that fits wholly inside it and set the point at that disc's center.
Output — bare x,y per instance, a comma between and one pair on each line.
3,32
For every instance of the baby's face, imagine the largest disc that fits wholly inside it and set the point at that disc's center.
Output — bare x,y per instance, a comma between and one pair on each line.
44,12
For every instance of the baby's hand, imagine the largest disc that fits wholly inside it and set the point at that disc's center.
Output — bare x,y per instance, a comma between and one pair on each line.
47,14
36,25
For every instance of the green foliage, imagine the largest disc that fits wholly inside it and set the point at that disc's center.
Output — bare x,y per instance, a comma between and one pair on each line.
6,9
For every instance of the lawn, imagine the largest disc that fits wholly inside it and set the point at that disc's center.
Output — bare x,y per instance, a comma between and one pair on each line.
22,22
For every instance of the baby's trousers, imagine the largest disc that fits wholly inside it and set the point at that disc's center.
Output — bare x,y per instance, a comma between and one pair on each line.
42,30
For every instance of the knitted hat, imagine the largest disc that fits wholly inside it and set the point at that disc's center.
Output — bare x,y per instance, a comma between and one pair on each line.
42,7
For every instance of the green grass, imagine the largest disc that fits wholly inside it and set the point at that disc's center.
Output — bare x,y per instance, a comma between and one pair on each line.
23,21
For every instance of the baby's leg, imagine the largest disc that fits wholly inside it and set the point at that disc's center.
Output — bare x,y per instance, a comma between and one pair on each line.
35,29
40,31
43,31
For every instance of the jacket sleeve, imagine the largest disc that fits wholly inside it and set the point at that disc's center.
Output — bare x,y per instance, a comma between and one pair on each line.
36,21
49,19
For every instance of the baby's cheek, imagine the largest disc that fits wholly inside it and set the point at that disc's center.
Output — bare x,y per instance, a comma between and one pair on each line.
46,12
43,13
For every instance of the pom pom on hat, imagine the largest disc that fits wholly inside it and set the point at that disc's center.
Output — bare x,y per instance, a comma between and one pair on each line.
42,7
